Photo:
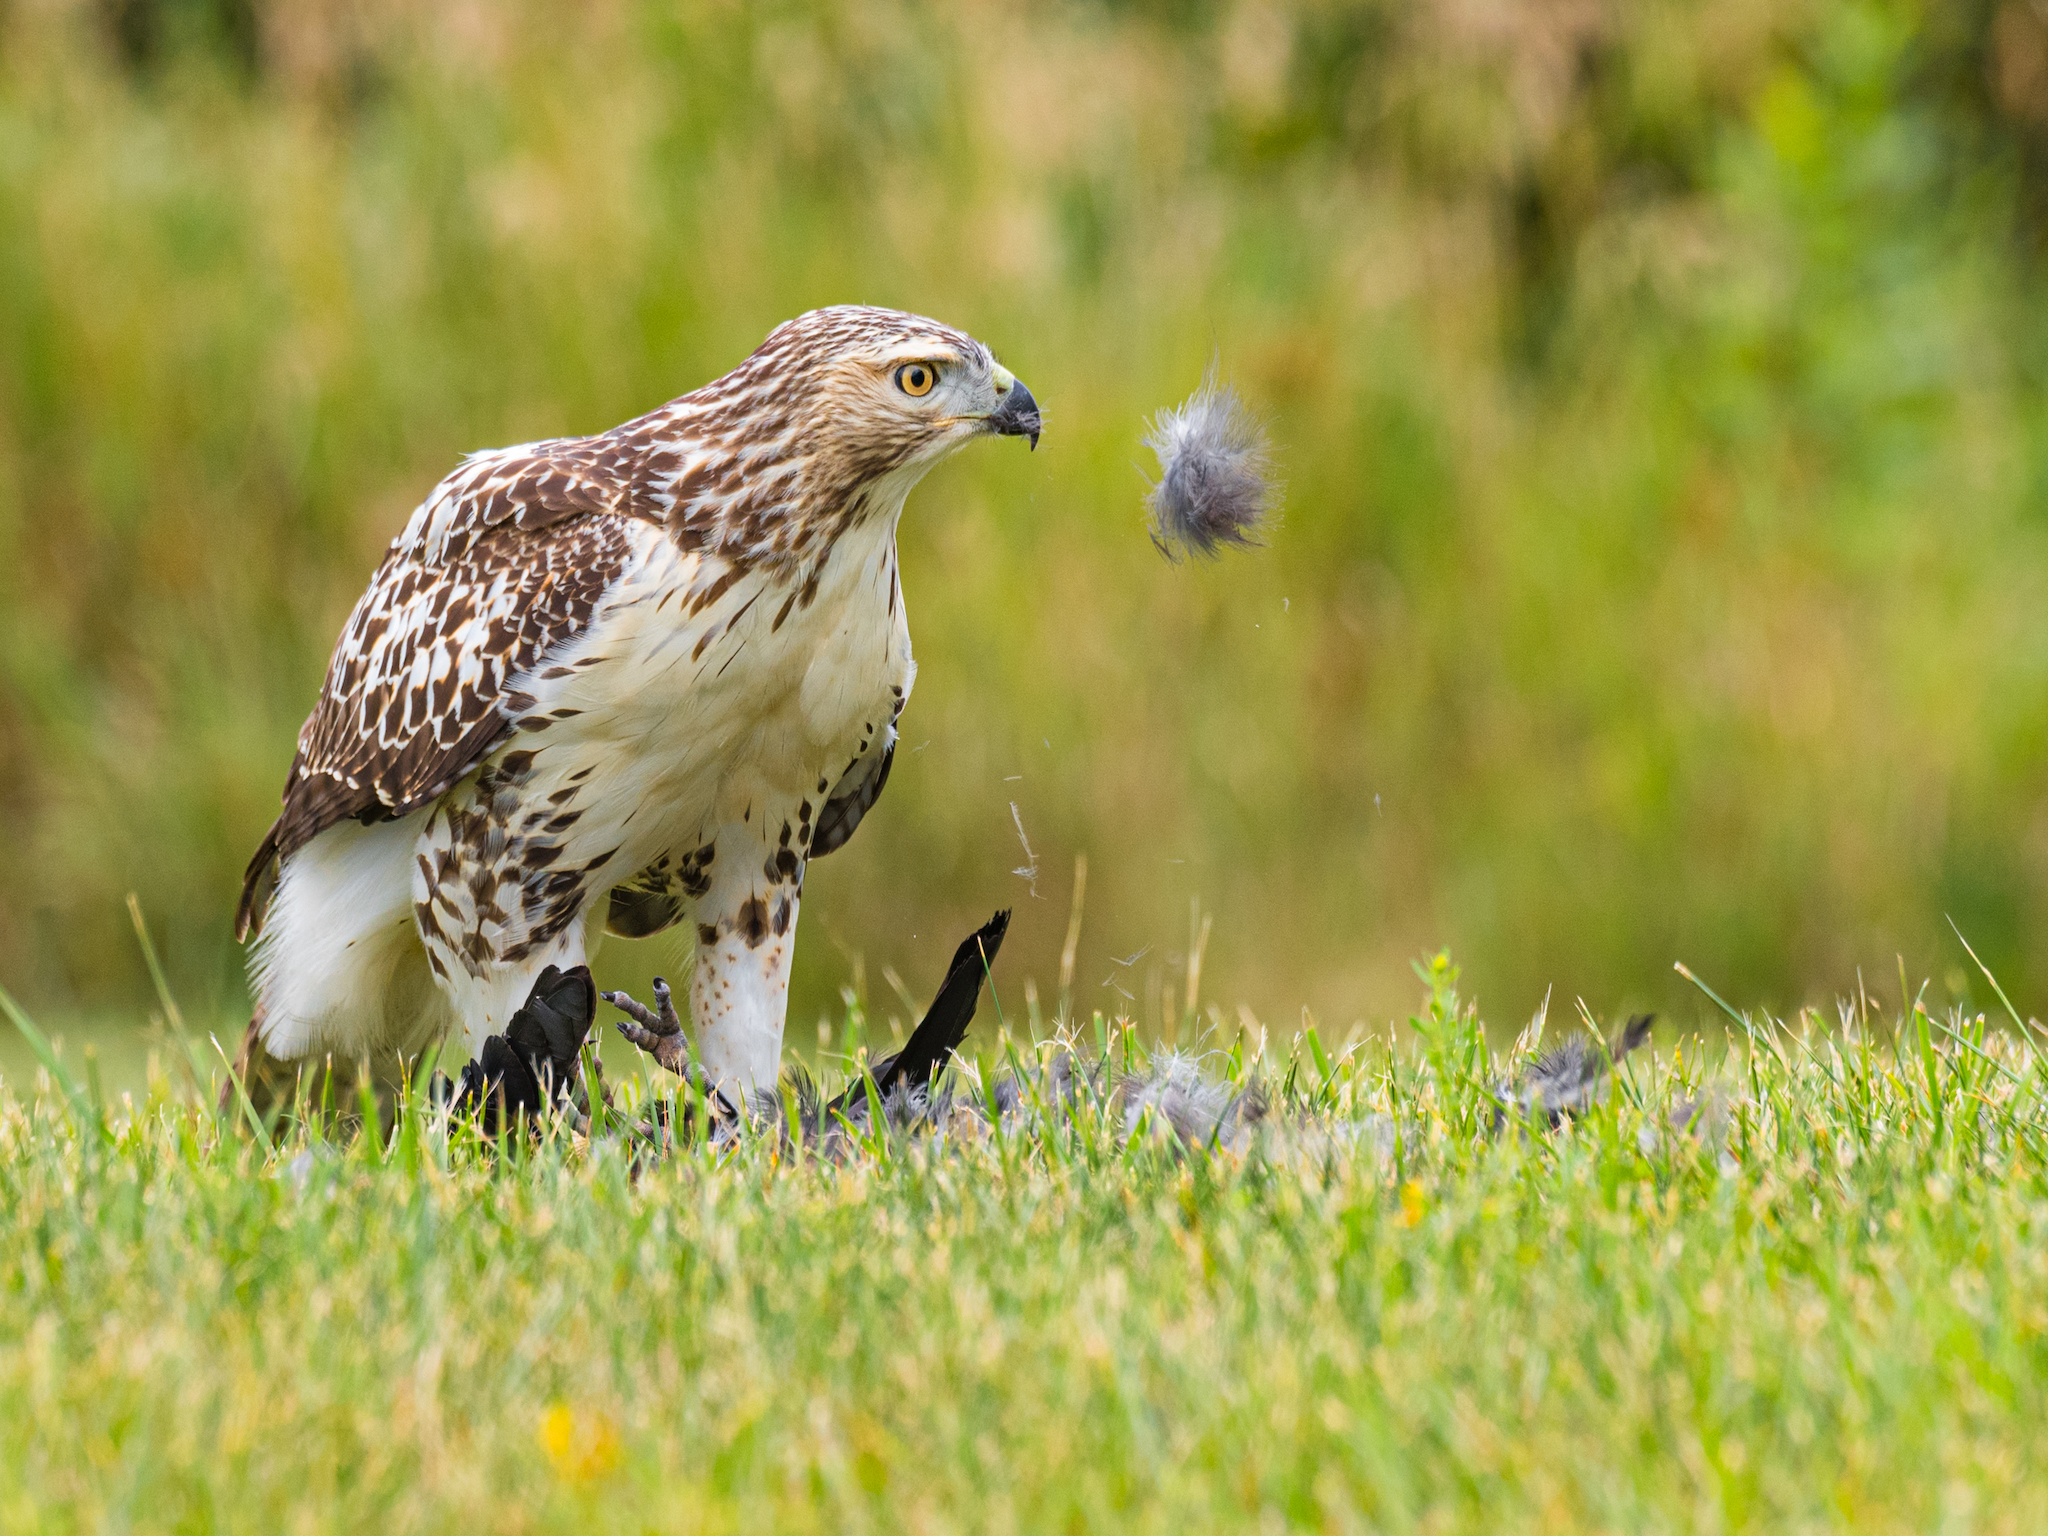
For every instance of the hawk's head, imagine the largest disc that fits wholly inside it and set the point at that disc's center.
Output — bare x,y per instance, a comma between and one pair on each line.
870,391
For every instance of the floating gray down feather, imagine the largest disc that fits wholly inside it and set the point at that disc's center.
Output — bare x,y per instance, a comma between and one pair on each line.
1216,483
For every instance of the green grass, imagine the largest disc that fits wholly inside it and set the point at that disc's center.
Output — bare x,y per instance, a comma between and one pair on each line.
1833,1320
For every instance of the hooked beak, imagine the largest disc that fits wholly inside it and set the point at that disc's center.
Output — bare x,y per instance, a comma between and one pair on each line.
1016,412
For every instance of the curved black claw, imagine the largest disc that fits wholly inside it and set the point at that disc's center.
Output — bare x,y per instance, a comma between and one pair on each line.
658,1032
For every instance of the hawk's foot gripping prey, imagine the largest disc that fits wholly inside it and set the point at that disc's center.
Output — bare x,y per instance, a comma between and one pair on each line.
903,1084
614,683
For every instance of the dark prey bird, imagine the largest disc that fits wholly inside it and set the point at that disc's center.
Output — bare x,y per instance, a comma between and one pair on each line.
535,1061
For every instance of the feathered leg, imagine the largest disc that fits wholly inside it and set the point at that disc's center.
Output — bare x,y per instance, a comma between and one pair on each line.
496,903
739,996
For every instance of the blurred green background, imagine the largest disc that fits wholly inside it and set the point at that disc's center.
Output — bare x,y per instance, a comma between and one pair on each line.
1659,390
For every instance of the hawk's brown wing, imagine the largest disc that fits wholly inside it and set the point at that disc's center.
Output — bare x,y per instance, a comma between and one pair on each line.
509,558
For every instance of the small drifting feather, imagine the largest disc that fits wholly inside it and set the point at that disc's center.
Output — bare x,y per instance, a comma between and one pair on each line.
1215,482
1029,870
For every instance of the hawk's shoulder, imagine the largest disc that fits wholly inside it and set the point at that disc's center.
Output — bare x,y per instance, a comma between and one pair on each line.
511,556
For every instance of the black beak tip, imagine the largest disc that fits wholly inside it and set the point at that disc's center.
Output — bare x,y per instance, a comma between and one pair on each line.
1017,416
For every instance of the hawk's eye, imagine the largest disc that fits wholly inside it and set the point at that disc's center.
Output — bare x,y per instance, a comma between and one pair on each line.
916,378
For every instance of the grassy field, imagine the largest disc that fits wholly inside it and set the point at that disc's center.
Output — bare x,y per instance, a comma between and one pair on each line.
1831,1313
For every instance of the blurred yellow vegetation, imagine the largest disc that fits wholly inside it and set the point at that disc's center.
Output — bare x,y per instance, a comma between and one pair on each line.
582,1447
1414,1204
1657,387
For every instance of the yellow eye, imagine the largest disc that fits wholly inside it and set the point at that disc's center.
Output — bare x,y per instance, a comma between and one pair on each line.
916,378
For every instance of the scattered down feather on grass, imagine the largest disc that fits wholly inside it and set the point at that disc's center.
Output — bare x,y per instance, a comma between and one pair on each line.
1216,485
1169,1097
1570,1079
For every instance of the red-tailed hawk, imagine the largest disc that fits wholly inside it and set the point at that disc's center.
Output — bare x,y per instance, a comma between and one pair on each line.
618,682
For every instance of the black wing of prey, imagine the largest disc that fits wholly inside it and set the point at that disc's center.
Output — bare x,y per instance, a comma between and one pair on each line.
944,1025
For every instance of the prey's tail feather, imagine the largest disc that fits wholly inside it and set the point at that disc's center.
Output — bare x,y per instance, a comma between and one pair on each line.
266,1079
534,1064
273,1083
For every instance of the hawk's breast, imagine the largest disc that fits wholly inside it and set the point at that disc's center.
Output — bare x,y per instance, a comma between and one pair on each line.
707,695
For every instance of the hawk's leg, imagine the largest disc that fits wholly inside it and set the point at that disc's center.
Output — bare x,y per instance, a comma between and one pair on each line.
746,935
